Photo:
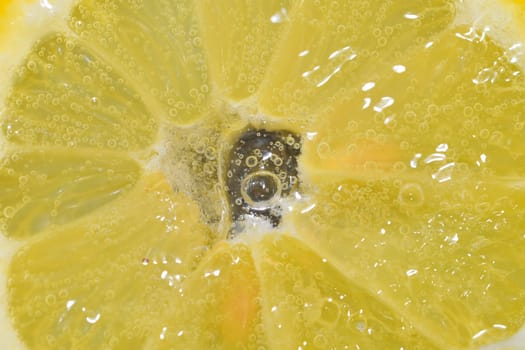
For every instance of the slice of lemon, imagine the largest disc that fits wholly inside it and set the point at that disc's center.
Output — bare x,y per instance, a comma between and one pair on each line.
406,229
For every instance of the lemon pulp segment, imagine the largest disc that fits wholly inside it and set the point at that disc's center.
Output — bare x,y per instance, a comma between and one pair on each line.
57,101
229,30
406,229
47,187
157,46
130,243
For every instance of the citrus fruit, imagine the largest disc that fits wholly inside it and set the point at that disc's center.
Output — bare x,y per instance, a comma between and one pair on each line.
262,174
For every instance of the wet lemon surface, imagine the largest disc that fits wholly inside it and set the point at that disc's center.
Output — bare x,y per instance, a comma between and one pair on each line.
265,175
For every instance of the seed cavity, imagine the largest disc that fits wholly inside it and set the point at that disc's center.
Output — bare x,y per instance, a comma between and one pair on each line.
262,170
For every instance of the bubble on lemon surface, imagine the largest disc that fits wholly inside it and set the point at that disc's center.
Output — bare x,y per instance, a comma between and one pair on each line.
384,185
330,312
411,195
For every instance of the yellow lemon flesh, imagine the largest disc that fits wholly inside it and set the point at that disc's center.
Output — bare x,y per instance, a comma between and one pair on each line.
406,227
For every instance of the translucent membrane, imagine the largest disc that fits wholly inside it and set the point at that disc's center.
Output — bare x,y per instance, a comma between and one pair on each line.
405,225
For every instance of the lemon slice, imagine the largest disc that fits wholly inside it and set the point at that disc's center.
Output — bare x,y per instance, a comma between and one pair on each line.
403,229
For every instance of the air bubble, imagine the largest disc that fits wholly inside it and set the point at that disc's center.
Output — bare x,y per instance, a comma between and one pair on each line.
70,45
410,117
377,32
468,111
9,212
404,145
278,161
320,341
261,189
433,110
50,299
251,161
330,312
200,147
112,143
209,168
210,153
193,93
22,180
323,149
31,65
399,166
173,112
411,195
478,107
337,197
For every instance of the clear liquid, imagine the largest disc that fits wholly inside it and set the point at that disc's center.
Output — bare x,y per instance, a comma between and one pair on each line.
406,225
